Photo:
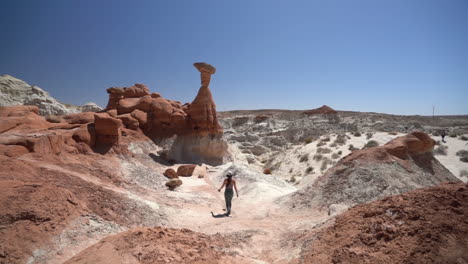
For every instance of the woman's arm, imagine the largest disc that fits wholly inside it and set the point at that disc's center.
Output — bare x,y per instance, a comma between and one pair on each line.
224,183
235,188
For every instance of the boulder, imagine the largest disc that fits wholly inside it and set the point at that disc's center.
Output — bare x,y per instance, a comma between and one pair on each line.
170,173
186,170
115,94
128,105
53,119
85,134
90,107
129,121
107,129
174,183
135,91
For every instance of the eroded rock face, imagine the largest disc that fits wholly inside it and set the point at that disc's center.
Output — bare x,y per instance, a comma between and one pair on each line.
195,124
412,226
403,164
107,129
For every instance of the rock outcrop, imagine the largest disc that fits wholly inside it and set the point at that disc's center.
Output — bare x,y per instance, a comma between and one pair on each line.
195,125
423,226
14,91
323,110
403,164
186,170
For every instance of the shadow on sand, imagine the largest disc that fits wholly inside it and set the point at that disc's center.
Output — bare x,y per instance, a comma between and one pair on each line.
219,215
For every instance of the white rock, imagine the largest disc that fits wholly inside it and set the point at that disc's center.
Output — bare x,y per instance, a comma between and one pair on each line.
14,91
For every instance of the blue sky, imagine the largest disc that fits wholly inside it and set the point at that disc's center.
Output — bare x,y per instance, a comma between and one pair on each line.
390,56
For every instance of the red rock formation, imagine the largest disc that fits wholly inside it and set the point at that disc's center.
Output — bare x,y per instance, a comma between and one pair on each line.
202,111
397,149
137,90
107,129
161,118
186,170
170,173
79,118
321,111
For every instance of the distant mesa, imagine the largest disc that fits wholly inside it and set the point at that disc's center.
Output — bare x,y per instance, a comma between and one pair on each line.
323,110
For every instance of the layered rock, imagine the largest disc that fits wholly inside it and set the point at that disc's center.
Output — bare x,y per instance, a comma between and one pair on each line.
403,164
14,91
195,125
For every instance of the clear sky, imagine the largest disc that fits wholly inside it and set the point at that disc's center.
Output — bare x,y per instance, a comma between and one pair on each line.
390,56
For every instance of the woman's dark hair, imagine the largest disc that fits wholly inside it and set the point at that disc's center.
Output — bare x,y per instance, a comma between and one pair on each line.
229,178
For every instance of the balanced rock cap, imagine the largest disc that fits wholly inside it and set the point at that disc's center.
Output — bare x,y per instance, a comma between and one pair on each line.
204,67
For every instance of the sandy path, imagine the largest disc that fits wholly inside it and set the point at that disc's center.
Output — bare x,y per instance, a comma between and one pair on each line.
260,226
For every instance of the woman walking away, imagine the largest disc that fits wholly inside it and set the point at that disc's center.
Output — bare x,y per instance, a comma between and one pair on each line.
229,192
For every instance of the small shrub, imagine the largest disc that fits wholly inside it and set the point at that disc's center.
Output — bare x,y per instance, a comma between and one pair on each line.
333,145
340,152
453,134
292,179
463,173
369,135
437,143
463,154
357,134
351,147
440,150
290,170
325,164
266,171
304,158
308,141
393,133
335,155
464,138
321,143
323,150
435,133
318,157
326,139
340,139
309,170
371,144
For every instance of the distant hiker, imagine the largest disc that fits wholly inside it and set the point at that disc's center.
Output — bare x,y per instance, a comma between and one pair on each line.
443,135
229,192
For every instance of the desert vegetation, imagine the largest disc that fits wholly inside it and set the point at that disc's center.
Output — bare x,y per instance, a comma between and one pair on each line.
323,150
441,150
463,154
371,144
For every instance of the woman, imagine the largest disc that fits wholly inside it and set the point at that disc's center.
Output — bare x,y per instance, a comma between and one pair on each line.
228,192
